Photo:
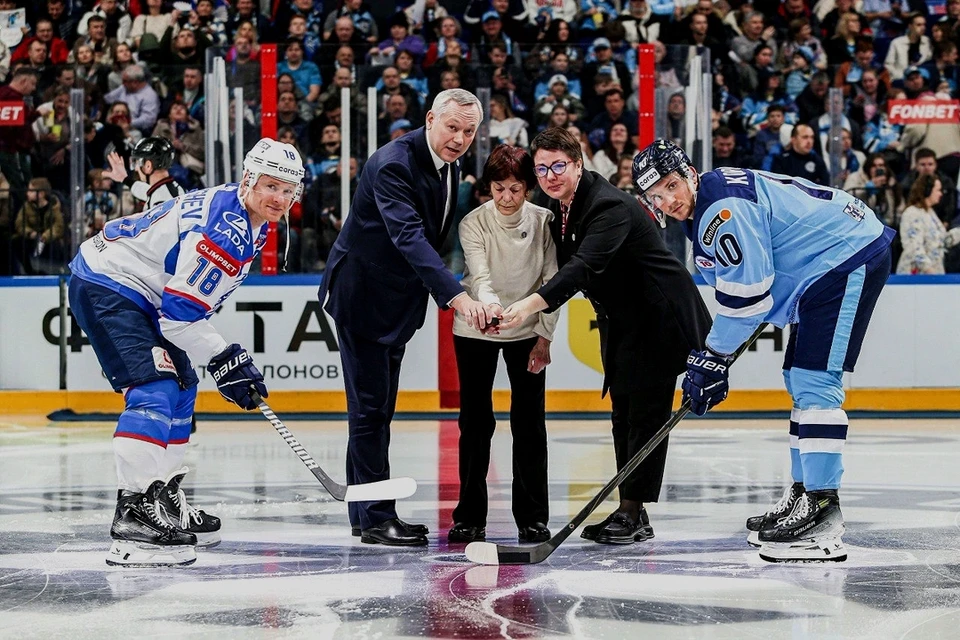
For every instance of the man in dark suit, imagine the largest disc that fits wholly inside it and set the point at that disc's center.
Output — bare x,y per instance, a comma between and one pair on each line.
649,313
379,273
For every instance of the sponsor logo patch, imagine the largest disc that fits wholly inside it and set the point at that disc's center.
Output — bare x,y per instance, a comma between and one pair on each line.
218,256
854,211
711,231
648,179
238,222
704,263
162,361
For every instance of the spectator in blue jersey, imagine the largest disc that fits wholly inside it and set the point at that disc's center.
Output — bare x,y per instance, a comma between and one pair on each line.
511,16
311,30
298,31
412,76
781,251
559,66
305,73
769,92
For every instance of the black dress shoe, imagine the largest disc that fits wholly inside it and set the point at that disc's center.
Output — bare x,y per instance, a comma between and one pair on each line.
535,532
465,533
393,534
591,530
420,529
621,530
645,525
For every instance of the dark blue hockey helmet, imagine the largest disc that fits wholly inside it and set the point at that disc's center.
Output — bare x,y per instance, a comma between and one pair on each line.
658,160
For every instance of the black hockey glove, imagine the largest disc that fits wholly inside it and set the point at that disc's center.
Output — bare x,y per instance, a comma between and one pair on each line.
234,373
706,383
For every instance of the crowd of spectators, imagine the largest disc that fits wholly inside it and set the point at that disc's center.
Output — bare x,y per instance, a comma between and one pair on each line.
569,63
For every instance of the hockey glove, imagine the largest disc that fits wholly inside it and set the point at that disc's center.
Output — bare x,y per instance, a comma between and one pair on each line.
705,383
234,373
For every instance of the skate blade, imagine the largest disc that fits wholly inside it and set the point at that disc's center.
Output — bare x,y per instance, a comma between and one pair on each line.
832,551
208,540
141,555
753,539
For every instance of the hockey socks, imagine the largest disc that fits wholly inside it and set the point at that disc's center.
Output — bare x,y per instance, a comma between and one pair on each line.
821,436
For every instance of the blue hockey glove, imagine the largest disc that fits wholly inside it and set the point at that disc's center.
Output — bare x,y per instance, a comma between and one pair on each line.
234,373
706,383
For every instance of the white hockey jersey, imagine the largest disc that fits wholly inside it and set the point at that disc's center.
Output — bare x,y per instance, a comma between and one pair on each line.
178,261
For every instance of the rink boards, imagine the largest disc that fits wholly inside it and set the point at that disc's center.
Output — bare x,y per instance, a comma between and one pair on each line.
908,361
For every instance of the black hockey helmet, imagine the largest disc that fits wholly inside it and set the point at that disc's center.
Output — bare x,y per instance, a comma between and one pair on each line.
658,160
158,151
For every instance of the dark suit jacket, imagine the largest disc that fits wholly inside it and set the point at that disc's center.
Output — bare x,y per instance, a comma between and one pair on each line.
649,311
385,260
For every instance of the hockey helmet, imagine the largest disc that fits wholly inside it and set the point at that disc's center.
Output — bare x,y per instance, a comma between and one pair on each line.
275,159
159,151
657,161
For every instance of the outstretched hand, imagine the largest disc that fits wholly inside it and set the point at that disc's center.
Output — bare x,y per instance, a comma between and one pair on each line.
515,314
118,171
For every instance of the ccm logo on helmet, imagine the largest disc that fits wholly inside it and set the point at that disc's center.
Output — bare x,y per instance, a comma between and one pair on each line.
703,363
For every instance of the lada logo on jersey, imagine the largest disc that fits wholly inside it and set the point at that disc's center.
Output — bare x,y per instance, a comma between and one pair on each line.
711,231
238,222
235,230
735,176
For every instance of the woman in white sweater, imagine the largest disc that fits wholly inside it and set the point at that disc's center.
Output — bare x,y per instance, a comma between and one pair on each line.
923,236
509,254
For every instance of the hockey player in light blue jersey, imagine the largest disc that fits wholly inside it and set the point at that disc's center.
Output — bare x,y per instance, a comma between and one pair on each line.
144,290
785,251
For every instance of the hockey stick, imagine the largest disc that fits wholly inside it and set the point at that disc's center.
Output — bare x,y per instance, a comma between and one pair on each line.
391,489
493,554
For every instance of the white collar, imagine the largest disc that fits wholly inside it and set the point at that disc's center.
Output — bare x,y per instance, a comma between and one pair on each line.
437,160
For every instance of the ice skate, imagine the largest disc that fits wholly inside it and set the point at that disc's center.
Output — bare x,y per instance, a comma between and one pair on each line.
175,509
781,509
811,533
142,538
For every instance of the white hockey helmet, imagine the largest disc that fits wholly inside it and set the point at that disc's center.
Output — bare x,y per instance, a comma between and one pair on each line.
275,159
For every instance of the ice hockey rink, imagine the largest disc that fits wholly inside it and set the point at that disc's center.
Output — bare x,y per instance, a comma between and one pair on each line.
288,567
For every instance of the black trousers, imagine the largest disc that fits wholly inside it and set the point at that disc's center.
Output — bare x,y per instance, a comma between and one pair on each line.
371,377
636,417
477,363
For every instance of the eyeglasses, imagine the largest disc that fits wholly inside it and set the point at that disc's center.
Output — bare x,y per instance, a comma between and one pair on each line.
558,169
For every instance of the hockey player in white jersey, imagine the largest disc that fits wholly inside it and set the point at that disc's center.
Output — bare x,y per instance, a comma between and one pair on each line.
150,183
144,290
781,250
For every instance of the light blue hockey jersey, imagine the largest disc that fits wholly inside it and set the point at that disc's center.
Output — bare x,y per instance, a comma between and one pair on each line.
761,239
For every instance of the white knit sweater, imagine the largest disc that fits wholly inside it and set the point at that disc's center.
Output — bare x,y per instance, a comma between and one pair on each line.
507,258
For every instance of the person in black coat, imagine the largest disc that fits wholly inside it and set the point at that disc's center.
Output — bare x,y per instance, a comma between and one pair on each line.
649,313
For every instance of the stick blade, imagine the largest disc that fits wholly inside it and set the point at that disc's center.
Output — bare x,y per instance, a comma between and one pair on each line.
392,489
482,553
